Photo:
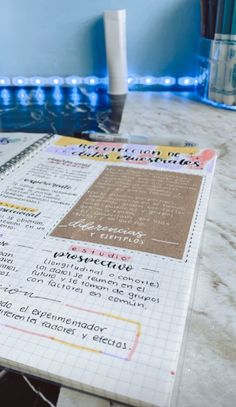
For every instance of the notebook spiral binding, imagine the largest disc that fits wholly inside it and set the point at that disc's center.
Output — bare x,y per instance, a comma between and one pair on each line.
24,155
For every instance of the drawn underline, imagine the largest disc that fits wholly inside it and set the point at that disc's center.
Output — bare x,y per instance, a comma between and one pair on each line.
28,247
165,241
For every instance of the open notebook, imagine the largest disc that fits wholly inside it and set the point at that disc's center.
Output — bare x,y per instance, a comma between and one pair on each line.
98,243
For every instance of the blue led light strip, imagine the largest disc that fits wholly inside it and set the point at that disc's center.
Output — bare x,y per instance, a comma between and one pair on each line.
38,81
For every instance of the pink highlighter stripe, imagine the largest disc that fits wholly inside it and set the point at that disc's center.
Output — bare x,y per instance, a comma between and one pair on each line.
28,332
99,252
81,347
136,340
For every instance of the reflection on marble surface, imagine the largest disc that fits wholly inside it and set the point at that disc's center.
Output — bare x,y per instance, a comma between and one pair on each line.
28,392
68,111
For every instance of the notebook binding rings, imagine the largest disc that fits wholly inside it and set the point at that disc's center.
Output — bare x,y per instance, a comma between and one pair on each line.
24,155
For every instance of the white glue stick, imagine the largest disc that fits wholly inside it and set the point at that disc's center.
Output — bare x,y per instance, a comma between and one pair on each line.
116,52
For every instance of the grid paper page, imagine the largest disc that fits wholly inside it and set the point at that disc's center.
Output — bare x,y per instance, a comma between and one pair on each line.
91,299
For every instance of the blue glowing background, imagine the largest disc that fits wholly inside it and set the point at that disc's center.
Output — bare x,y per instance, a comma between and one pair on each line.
58,37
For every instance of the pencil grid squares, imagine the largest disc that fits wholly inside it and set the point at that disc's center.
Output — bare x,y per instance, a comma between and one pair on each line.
156,356
92,374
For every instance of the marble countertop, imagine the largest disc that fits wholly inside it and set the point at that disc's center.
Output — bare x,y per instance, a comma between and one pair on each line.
209,363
